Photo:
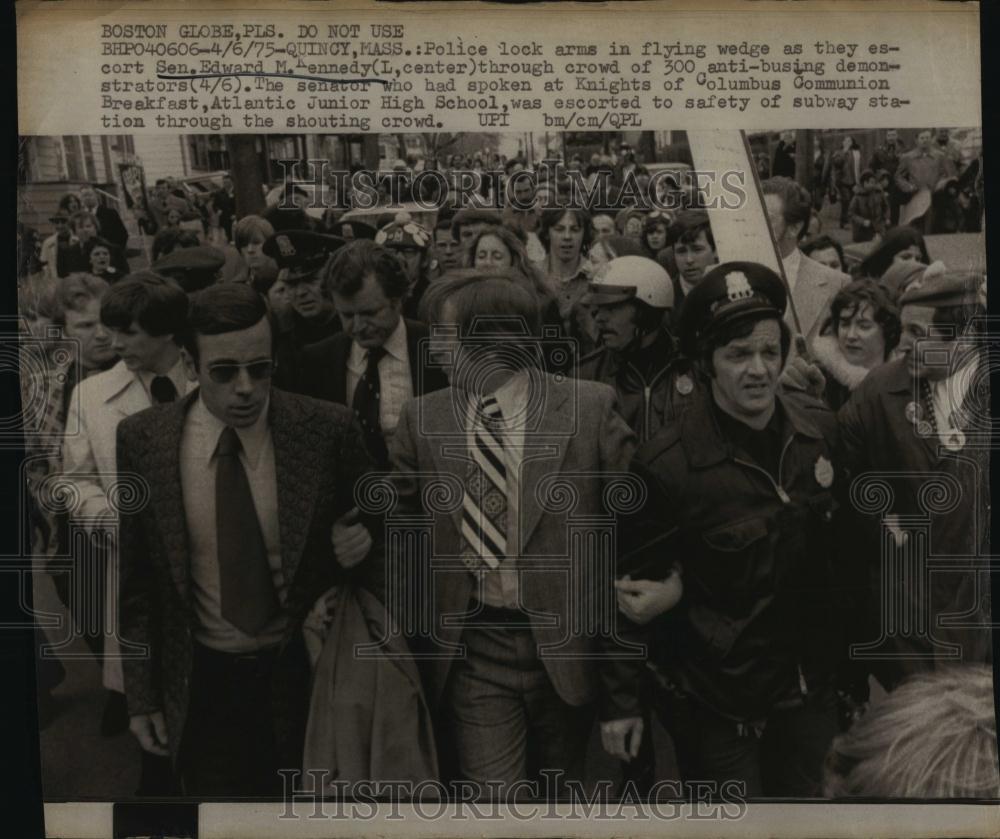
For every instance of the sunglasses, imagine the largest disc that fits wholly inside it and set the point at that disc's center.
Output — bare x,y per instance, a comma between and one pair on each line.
223,374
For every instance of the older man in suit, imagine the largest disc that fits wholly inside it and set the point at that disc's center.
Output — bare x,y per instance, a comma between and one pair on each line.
510,669
246,485
374,366
811,285
144,316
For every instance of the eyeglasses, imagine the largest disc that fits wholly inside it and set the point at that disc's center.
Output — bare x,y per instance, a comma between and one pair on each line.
223,374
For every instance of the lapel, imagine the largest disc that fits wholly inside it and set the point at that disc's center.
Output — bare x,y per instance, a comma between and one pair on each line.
449,449
163,451
124,392
415,331
553,426
338,370
901,389
298,472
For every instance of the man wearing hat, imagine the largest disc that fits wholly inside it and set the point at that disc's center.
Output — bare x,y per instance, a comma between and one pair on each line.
921,425
630,299
193,268
301,256
61,239
727,563
411,243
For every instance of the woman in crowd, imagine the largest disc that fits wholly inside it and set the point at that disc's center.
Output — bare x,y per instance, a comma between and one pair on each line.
865,331
826,251
499,250
74,257
566,235
900,244
654,233
103,260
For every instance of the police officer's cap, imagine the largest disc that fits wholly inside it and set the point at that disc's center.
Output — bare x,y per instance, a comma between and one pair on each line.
631,278
946,289
729,292
193,268
353,229
404,232
300,252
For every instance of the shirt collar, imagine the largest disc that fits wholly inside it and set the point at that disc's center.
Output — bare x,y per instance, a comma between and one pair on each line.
209,427
177,374
951,392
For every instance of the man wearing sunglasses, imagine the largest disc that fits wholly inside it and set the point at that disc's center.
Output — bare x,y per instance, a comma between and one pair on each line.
246,484
374,365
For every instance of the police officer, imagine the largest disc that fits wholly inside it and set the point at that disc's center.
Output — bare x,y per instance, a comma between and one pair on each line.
301,256
411,242
729,559
630,302
193,268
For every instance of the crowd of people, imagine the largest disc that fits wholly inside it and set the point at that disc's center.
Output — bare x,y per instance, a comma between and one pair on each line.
295,437
930,186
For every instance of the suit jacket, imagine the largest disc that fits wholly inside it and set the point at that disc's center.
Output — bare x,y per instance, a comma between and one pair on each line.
815,286
322,370
318,458
111,226
585,442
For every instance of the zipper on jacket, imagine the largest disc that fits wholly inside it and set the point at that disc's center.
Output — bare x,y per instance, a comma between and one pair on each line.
647,398
778,488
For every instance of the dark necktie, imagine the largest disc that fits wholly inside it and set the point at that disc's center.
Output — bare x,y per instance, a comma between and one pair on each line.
248,596
367,397
162,390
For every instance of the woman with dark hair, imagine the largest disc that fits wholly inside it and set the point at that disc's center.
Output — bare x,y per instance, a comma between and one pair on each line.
249,235
654,233
105,260
865,331
900,244
566,235
826,251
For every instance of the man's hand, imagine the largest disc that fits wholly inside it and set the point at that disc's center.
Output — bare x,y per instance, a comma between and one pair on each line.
801,373
317,623
151,732
621,738
642,600
351,539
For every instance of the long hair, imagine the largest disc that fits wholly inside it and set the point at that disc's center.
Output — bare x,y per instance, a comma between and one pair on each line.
896,239
519,260
856,296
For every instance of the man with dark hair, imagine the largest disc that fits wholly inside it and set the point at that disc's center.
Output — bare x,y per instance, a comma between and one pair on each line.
886,158
447,251
245,485
729,562
511,686
789,209
374,366
144,315
692,253
301,256
917,424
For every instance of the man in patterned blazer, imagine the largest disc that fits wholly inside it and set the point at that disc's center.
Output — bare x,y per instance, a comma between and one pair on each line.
232,546
511,583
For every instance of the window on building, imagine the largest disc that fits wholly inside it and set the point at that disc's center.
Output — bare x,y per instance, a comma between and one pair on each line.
207,153
78,159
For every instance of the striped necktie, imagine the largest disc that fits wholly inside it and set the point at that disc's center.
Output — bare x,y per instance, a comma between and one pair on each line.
484,506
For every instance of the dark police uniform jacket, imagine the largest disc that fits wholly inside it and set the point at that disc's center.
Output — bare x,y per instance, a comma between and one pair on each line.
757,623
644,402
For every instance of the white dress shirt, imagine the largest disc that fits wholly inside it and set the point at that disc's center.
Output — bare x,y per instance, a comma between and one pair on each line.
500,585
198,444
395,382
